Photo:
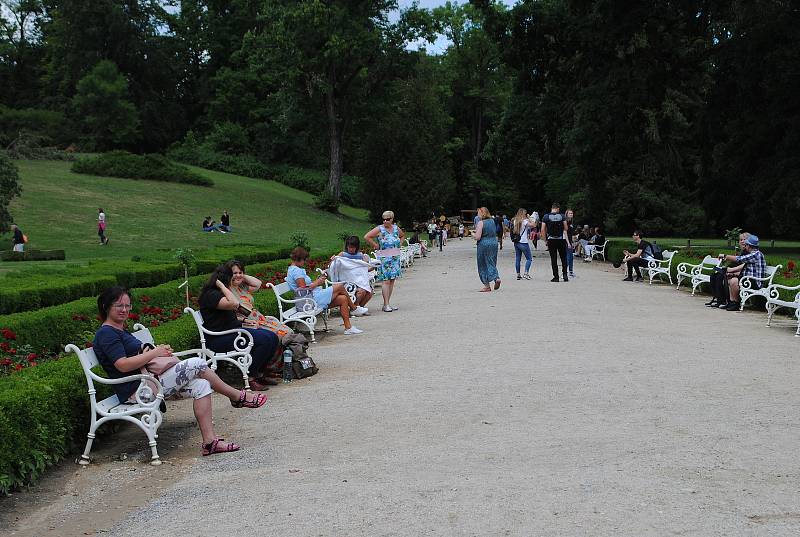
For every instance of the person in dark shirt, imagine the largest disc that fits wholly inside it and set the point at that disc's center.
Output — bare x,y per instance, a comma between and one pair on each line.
498,222
120,354
225,222
598,239
554,228
218,307
639,258
208,224
18,240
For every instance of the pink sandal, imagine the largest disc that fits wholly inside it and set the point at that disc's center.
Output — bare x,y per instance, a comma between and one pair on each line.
215,447
259,400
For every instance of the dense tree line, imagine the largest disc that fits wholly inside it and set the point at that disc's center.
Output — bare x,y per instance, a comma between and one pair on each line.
679,117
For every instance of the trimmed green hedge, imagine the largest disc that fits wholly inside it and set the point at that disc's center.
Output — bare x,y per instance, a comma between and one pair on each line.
23,292
129,166
33,255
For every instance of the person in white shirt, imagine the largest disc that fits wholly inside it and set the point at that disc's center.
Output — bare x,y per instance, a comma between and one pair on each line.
520,227
101,226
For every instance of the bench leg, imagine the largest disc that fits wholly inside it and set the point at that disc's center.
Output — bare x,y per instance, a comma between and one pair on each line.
84,460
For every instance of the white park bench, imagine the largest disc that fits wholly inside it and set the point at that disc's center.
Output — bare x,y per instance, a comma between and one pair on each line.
145,412
600,251
750,286
238,356
687,270
775,302
702,273
297,310
661,267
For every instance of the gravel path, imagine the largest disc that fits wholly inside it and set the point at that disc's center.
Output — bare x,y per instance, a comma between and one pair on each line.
595,407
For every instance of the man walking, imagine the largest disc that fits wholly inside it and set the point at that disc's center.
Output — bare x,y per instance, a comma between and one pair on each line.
554,228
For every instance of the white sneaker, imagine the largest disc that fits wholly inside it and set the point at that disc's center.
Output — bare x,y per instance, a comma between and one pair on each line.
394,308
353,331
360,310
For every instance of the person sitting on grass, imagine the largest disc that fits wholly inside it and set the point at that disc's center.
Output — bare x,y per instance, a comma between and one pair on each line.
333,295
209,225
120,354
218,306
639,258
750,262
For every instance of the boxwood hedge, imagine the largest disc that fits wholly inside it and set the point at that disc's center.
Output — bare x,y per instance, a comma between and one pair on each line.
21,292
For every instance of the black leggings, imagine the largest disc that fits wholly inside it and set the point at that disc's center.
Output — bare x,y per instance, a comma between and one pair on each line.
558,247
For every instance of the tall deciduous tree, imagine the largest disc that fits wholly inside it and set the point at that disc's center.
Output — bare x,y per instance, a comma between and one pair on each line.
332,53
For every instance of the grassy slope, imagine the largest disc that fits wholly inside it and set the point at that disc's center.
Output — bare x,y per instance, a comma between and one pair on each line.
58,209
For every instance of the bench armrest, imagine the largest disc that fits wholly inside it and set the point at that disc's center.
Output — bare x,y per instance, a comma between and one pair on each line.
143,391
774,291
686,268
243,341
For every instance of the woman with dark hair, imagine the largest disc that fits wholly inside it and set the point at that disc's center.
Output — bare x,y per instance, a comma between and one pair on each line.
334,295
243,286
218,306
121,354
352,251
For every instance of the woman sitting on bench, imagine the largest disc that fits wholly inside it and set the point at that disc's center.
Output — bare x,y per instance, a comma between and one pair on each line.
334,295
218,306
120,354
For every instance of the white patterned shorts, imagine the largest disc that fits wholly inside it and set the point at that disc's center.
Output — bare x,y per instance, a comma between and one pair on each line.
183,381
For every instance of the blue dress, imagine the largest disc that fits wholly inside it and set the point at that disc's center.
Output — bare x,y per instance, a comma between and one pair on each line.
321,296
390,268
487,253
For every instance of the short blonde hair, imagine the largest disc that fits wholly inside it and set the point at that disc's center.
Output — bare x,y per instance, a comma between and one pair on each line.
483,212
388,214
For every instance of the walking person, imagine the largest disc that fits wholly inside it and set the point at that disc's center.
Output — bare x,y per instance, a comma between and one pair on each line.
486,235
498,224
18,238
554,226
535,229
390,237
570,236
101,225
520,231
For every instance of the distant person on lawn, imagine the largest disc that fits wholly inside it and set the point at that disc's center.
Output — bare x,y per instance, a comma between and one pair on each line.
18,239
101,225
208,225
225,222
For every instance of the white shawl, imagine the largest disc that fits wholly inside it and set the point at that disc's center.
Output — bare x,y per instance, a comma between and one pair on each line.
356,271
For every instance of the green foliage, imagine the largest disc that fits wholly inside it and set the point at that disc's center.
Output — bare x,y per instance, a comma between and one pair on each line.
192,151
106,117
129,166
326,202
32,255
9,189
48,125
299,238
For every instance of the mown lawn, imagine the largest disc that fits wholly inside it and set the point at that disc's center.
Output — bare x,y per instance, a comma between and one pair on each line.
58,210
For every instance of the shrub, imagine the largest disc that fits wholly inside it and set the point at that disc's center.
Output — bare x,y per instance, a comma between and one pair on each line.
191,151
300,239
47,125
9,189
33,255
129,166
326,202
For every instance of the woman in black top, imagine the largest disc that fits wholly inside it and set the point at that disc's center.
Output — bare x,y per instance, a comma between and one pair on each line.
218,307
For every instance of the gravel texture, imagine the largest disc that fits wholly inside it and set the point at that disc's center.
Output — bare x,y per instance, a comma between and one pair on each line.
595,407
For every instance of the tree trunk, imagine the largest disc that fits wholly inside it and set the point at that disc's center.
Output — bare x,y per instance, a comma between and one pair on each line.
335,133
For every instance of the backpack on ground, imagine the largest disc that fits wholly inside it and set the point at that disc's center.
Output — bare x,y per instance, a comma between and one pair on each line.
302,364
719,285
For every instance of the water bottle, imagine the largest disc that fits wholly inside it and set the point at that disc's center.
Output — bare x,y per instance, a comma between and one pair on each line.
288,374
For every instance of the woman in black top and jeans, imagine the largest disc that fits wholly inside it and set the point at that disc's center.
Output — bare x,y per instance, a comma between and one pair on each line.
218,307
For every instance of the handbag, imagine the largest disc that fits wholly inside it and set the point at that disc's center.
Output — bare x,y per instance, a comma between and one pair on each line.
305,301
159,364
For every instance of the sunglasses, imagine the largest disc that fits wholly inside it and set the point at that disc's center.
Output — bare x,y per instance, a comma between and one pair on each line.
386,219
